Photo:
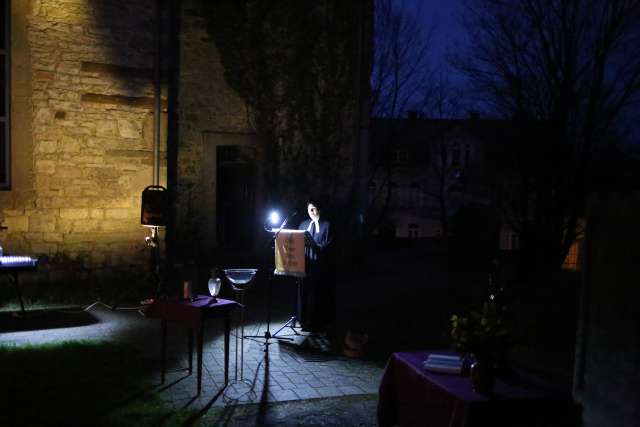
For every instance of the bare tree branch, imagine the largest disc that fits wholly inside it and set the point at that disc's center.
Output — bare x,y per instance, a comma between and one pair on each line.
572,67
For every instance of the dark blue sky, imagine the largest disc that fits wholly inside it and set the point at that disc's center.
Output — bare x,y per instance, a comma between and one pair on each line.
445,17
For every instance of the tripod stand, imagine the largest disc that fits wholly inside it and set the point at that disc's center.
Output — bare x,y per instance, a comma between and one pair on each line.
293,320
267,334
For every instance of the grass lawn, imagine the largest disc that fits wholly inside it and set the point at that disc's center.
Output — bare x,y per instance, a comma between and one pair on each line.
79,383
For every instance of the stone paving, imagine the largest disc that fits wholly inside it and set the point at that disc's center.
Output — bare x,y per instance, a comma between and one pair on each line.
282,374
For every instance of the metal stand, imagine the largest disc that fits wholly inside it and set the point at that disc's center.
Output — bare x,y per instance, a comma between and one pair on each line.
293,320
14,279
291,323
239,388
153,243
241,341
267,334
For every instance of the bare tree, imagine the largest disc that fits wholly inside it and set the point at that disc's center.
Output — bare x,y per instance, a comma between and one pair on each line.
563,71
443,174
400,75
400,80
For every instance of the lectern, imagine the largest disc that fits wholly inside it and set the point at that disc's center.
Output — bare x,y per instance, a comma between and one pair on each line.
290,260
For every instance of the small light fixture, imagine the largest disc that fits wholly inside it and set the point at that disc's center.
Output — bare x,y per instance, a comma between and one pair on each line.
274,218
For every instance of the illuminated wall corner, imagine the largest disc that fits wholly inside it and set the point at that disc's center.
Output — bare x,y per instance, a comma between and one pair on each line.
83,99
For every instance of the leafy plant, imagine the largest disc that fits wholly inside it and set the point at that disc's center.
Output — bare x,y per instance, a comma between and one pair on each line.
483,333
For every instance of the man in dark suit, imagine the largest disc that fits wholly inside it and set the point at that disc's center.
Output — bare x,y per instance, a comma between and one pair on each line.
316,296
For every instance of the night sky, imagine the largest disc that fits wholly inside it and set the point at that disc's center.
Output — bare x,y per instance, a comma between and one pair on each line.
446,19
449,33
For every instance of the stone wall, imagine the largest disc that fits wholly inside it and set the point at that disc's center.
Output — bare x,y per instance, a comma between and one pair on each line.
207,106
82,130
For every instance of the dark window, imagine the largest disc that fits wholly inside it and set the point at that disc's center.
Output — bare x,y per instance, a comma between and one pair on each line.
414,231
401,156
455,156
515,241
5,67
414,195
371,193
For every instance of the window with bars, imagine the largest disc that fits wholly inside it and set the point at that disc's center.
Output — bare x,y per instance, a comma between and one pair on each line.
5,96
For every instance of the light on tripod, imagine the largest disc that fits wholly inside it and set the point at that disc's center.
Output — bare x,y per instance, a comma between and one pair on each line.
274,218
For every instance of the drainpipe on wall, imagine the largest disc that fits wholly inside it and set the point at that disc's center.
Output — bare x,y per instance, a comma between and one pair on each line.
157,89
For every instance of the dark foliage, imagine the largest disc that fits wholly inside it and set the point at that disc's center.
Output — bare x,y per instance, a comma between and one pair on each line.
294,64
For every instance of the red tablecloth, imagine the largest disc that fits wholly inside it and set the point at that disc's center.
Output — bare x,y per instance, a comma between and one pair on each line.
190,313
413,396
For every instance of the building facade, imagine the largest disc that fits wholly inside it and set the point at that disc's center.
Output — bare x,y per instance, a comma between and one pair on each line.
428,169
423,171
78,132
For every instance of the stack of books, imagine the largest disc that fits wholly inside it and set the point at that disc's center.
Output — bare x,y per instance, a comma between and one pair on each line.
444,363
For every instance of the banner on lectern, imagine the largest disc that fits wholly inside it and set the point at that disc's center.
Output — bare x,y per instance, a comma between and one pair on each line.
289,253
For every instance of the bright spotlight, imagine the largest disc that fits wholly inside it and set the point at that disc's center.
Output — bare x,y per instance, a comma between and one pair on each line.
274,218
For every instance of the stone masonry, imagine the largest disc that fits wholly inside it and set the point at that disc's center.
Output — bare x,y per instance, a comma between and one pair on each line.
90,131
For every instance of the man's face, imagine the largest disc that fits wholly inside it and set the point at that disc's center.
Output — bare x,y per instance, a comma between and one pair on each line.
314,213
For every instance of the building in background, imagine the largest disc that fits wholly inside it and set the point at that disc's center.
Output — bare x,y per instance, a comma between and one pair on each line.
428,169
423,171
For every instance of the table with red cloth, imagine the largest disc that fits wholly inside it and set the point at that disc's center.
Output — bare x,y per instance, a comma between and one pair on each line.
409,395
193,314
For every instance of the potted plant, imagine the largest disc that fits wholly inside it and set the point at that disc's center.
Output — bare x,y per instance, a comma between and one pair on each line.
481,335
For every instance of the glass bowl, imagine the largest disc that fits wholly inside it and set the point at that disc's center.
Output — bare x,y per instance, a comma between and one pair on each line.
240,278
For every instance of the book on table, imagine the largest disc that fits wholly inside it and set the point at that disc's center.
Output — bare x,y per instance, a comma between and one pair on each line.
444,363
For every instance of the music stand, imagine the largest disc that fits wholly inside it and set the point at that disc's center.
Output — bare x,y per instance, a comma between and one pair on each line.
272,242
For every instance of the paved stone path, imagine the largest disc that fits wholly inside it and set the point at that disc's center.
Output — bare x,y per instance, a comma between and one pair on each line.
282,374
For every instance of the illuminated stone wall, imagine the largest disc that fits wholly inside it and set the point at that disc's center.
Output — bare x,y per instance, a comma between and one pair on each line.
82,131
